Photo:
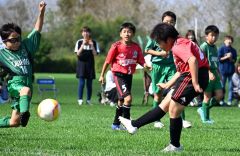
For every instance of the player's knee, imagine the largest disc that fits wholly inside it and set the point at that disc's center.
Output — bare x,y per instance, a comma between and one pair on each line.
25,91
128,100
15,122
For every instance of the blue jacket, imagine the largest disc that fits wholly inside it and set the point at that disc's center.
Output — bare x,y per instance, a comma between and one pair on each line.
227,67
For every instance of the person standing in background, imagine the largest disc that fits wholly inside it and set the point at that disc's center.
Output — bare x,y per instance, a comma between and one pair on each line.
85,49
227,57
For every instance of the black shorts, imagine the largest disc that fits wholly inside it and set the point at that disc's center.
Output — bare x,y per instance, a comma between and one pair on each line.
184,92
123,84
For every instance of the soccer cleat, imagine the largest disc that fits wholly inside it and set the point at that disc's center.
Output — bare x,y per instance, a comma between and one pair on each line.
171,148
186,124
208,121
24,117
200,112
158,124
80,102
128,125
115,127
112,104
229,103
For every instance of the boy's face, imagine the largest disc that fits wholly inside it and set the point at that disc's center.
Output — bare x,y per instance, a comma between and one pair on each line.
211,37
167,46
169,20
13,41
228,42
126,34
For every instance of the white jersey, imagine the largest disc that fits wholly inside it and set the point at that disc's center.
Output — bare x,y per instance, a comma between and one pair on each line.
110,84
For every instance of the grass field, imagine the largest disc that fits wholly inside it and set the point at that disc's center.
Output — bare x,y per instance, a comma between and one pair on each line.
85,130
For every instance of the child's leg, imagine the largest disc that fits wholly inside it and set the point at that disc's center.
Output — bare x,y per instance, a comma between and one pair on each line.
205,106
118,112
216,99
13,121
175,110
127,106
24,105
80,88
154,114
89,89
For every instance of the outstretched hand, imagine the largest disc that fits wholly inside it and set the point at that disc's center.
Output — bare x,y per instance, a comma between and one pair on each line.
42,6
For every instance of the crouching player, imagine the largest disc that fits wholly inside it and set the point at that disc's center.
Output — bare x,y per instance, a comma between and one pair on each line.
17,58
190,80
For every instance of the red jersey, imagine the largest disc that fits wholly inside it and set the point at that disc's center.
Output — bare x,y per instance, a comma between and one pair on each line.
182,50
124,58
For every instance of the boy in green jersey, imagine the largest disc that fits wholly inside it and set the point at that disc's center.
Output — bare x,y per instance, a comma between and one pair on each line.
16,57
163,67
215,85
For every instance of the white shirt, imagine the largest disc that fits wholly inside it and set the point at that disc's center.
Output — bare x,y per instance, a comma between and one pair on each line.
110,84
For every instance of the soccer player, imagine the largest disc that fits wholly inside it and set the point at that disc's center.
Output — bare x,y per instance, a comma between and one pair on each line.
123,57
189,81
17,58
215,85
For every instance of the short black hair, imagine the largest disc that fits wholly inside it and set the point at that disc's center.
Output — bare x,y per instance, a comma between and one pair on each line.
7,29
211,28
229,37
129,26
163,31
87,29
171,14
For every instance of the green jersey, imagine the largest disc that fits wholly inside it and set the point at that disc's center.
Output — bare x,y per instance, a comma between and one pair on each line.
153,45
19,61
212,54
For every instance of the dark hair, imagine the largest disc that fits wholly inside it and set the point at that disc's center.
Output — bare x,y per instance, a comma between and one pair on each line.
211,28
87,29
237,65
163,31
169,13
7,29
129,26
229,37
191,32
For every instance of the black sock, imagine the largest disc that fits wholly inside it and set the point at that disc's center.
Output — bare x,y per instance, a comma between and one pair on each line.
119,112
126,111
153,115
175,131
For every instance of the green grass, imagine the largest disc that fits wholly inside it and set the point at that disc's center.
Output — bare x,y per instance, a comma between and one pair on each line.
86,130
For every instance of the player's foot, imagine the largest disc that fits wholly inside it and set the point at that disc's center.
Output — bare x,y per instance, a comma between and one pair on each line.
158,124
229,103
89,102
117,127
200,112
171,148
222,103
80,102
186,124
112,104
24,117
208,121
128,125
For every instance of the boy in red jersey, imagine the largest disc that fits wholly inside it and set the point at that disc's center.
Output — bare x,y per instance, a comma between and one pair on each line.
189,81
123,57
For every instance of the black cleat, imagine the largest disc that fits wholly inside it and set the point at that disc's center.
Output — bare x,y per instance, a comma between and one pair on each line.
24,117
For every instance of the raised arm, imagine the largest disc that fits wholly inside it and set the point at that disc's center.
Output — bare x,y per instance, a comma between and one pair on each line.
39,23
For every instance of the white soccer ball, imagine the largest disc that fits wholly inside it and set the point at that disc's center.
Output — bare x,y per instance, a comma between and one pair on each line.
49,109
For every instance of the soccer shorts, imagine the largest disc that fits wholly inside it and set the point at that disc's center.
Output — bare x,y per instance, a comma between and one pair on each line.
215,84
184,91
123,84
161,74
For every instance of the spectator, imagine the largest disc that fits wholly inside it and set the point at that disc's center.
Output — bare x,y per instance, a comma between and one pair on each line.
236,83
110,89
191,36
85,49
227,56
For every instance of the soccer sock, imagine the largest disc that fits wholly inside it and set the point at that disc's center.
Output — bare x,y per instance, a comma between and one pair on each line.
5,122
213,102
183,115
126,111
205,110
119,111
151,116
24,103
175,131
155,104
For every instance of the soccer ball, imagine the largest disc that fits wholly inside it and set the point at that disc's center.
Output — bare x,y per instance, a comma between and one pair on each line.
49,109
